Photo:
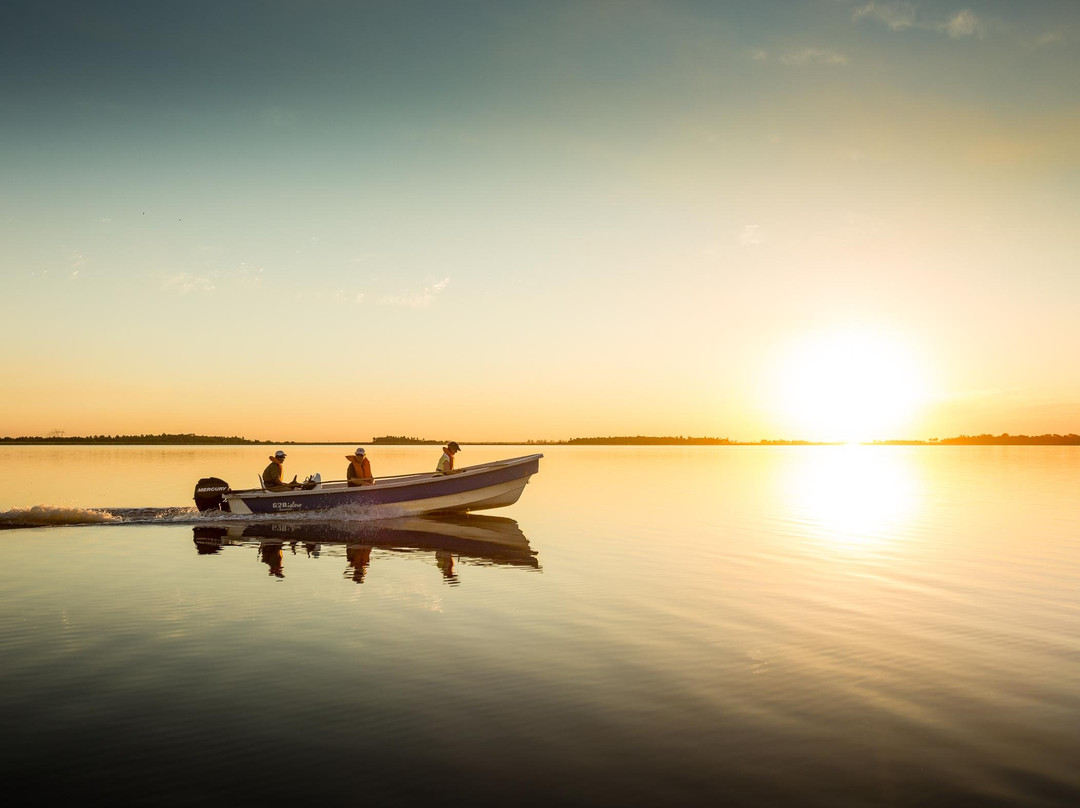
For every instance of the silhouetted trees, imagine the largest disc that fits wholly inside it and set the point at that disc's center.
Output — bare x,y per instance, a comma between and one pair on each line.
1005,439
647,440
188,438
162,439
400,439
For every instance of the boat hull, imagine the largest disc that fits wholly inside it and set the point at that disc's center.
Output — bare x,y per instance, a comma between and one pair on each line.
491,485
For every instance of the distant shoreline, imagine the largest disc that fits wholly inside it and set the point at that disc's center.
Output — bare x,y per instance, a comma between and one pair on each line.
637,440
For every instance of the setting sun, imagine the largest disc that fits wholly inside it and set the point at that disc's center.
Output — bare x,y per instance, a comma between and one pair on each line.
851,385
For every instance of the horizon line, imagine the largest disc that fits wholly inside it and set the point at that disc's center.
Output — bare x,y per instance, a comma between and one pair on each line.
190,438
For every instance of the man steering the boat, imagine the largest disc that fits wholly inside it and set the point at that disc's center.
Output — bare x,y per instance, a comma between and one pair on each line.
271,475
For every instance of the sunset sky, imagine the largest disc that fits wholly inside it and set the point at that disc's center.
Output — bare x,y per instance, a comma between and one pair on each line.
540,220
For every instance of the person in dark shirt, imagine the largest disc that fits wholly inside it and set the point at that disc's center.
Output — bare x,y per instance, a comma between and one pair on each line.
271,475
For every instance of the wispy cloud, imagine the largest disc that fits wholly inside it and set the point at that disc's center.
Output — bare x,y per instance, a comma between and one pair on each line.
347,297
184,282
416,301
78,261
962,23
806,56
1050,38
751,235
897,15
815,56
245,276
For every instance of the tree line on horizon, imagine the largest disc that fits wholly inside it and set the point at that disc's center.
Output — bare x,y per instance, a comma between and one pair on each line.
1004,439
163,438
398,440
647,440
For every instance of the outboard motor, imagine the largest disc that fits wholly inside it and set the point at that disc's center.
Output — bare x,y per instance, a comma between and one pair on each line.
210,494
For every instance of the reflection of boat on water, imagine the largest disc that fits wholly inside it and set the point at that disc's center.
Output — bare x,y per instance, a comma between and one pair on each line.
482,539
473,488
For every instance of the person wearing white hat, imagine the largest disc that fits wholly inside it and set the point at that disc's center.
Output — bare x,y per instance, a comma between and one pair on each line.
359,472
446,462
272,474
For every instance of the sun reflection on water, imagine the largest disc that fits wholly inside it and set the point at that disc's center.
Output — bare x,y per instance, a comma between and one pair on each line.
853,496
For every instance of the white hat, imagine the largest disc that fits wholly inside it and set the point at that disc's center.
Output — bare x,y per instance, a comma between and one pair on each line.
360,452
279,453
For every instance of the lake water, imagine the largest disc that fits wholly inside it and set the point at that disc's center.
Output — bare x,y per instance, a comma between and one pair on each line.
647,626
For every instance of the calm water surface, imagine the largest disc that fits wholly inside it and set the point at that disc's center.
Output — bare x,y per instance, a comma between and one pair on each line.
731,625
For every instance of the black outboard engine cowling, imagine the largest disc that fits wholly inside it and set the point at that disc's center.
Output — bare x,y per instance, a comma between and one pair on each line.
210,494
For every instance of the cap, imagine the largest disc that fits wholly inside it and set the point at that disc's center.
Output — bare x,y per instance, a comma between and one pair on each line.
279,453
360,452
453,445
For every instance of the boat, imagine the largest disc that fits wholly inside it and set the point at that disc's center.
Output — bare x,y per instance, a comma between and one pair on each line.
473,488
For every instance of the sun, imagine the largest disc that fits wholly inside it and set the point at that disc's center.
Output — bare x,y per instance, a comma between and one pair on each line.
849,385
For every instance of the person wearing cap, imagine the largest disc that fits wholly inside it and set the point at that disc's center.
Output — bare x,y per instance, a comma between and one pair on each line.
271,475
446,462
359,472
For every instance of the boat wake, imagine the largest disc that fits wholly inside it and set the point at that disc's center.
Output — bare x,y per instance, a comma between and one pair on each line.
52,516
44,515
55,516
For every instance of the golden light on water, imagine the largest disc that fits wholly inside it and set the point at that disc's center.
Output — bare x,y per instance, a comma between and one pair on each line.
854,496
848,386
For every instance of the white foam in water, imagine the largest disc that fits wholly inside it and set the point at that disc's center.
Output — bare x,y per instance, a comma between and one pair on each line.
142,515
354,513
50,515
41,515
341,513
